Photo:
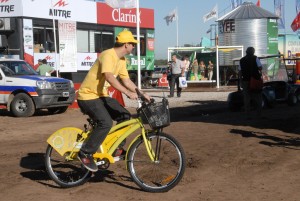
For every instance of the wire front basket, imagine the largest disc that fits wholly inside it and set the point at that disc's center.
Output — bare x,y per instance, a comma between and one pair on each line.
156,114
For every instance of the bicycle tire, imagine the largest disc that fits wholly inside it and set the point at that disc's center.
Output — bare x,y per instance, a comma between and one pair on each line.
63,172
160,175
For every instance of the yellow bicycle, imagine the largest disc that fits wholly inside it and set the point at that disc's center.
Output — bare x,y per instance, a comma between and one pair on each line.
155,160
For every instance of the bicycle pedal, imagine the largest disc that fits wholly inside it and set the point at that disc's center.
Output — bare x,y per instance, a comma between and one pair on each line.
102,162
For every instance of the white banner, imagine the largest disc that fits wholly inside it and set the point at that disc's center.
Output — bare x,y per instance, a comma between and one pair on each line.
72,10
86,60
213,13
50,57
28,36
67,46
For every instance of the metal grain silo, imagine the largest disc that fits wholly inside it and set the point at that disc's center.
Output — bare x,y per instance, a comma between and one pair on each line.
247,25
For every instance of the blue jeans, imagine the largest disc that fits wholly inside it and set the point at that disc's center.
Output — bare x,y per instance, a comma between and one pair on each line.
103,111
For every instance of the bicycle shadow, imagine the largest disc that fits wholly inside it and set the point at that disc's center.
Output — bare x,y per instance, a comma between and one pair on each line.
36,171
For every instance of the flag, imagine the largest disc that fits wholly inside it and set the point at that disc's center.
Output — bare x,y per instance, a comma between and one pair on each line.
297,11
296,23
171,17
297,6
258,3
121,3
279,11
213,13
235,3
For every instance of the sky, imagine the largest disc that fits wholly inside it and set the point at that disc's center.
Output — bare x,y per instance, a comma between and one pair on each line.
191,27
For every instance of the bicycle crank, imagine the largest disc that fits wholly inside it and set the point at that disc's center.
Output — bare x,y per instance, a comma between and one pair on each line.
103,164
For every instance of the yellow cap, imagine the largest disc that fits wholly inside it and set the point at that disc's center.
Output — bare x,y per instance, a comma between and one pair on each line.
125,37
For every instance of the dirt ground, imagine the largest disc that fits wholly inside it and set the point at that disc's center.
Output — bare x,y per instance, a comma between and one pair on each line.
228,157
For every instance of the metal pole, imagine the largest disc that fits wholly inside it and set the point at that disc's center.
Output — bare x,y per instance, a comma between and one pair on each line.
55,47
177,25
138,44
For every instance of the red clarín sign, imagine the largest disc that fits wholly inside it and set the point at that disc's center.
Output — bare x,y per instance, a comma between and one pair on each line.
296,23
124,17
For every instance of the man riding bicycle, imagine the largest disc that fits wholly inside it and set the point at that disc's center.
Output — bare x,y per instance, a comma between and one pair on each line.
94,100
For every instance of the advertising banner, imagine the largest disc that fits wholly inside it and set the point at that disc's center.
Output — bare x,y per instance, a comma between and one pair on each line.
272,30
11,8
86,60
50,57
74,10
67,46
124,17
28,41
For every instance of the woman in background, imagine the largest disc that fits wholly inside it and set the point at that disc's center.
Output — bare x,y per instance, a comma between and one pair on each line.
195,68
210,70
202,69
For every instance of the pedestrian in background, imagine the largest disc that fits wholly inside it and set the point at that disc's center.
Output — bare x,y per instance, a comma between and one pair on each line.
38,64
249,66
195,68
45,69
186,62
177,70
210,70
202,69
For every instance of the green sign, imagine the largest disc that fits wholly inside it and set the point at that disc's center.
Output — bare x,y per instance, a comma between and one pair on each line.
147,51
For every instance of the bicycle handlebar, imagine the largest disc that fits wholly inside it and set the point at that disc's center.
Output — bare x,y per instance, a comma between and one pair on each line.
142,97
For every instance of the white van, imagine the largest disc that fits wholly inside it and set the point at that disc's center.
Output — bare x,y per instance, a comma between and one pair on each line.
23,91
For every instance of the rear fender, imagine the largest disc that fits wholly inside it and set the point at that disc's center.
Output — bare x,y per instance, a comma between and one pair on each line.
66,140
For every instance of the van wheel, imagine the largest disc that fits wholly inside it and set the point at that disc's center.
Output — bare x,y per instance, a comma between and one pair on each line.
22,105
57,110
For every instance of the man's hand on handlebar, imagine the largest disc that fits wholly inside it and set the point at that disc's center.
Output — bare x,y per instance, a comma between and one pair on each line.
132,95
147,97
143,96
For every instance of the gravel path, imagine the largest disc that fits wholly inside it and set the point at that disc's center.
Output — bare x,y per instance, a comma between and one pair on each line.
186,99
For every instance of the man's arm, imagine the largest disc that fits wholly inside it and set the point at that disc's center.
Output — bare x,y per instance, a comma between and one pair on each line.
258,64
131,86
112,80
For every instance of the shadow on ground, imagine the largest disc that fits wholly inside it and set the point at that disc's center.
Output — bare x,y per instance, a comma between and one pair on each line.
281,117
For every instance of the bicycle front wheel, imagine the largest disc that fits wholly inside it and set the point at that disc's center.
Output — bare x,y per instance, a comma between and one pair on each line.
165,171
66,173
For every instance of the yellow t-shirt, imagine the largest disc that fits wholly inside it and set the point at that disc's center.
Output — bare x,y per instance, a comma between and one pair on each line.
94,85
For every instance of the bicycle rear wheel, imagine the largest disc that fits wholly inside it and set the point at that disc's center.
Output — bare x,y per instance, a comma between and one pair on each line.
66,173
162,174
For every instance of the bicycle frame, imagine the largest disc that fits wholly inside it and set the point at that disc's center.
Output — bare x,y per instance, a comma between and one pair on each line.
68,141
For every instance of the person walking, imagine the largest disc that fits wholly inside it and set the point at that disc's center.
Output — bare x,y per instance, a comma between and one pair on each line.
93,96
177,70
249,66
210,70
195,68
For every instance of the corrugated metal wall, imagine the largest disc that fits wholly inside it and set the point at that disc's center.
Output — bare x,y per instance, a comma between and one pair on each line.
248,32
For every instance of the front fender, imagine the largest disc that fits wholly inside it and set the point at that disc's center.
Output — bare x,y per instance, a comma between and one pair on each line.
129,146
